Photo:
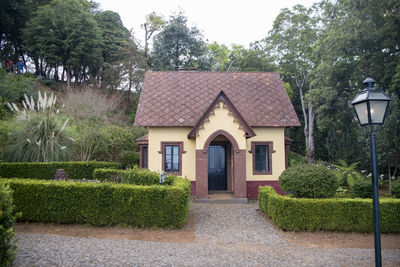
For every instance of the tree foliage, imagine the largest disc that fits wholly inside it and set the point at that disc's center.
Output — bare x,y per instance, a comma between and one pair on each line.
65,33
177,46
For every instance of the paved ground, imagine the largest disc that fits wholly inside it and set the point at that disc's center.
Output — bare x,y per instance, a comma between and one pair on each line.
225,235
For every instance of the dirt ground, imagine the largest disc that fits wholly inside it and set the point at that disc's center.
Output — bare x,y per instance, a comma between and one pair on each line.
187,235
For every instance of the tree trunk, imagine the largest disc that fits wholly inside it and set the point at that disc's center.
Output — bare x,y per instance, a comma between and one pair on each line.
37,68
308,122
62,74
68,78
146,42
310,155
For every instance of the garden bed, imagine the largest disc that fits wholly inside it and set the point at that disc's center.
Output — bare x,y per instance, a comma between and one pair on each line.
355,215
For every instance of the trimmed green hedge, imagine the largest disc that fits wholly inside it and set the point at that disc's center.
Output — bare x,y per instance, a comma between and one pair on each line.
46,171
7,218
102,204
132,176
355,215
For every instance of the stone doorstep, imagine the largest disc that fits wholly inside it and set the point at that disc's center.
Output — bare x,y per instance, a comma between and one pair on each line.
222,198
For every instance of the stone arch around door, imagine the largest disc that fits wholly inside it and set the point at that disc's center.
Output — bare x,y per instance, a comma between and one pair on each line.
239,167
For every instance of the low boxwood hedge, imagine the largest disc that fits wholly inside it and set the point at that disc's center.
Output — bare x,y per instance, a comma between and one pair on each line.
355,215
46,171
132,176
101,204
7,218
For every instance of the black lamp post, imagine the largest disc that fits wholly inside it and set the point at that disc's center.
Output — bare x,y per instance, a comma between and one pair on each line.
370,106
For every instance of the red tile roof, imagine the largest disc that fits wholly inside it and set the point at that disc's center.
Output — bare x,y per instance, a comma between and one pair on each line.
179,98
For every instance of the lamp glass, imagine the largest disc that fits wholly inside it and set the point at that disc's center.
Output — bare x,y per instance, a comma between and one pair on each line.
362,112
378,109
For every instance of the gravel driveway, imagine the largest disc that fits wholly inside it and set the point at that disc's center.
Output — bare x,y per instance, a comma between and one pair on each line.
226,235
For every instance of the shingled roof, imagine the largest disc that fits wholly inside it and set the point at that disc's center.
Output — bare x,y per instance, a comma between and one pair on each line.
180,98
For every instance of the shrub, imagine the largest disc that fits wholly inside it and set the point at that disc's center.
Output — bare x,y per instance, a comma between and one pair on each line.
129,158
13,87
6,127
347,175
309,181
102,204
7,218
355,215
90,103
96,141
295,159
46,171
395,188
363,189
132,176
39,135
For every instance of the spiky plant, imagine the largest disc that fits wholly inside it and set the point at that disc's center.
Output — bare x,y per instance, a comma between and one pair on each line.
40,133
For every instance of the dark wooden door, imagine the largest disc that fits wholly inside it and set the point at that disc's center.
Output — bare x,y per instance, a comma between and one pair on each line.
217,173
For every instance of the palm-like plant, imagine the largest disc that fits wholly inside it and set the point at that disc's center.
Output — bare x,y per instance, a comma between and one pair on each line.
40,132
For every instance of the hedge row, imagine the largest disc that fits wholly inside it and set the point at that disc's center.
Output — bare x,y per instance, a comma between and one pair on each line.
102,204
298,214
46,171
132,176
7,218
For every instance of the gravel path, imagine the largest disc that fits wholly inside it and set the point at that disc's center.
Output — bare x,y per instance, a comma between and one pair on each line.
226,235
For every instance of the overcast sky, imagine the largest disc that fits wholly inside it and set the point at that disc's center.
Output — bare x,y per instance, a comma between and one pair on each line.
225,21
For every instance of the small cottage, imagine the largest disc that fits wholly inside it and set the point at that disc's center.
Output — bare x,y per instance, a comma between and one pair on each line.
225,131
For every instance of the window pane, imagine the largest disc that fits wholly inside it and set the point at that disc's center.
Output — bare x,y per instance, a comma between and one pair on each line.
172,158
168,162
175,161
261,154
176,150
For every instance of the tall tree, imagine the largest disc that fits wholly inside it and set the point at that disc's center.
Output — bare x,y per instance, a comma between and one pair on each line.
153,24
13,17
177,45
114,39
65,33
359,39
292,39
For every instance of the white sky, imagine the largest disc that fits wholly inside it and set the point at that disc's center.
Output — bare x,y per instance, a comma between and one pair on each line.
224,21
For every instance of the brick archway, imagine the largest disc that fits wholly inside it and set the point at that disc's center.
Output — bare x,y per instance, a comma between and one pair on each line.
239,167
224,133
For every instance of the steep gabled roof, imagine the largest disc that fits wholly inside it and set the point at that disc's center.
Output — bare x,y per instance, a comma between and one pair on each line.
232,110
180,98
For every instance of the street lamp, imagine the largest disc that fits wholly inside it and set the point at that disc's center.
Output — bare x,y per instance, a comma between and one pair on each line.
370,106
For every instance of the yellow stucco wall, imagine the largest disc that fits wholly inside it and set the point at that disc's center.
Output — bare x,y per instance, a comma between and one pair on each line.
221,120
172,134
268,134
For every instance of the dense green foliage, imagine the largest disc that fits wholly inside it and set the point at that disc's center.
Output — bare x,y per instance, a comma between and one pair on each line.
7,218
101,204
309,181
132,176
395,188
295,159
13,87
46,171
65,33
353,215
346,173
363,188
177,45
